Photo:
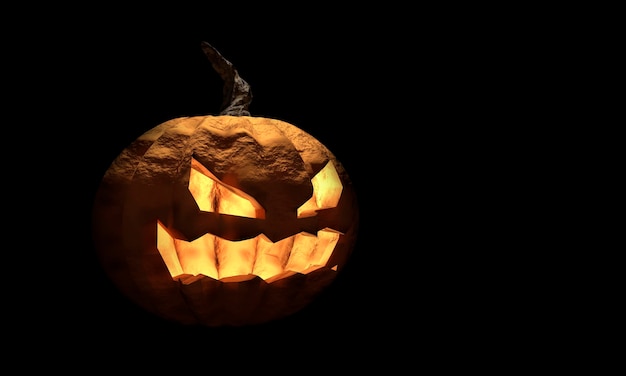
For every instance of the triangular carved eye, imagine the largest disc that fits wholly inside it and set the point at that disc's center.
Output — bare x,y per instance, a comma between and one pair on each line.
212,195
327,189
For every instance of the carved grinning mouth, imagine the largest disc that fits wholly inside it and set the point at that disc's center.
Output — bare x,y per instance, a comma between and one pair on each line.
232,261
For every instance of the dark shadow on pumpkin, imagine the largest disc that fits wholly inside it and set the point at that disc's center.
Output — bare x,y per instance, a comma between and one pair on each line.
252,301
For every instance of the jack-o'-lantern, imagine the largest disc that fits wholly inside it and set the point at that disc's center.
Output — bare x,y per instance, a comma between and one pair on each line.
224,220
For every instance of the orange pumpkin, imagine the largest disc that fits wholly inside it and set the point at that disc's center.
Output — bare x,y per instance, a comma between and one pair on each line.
224,220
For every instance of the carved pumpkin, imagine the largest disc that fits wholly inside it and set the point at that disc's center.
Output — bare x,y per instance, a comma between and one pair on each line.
224,220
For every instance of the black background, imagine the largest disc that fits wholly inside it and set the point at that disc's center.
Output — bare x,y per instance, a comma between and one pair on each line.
390,92
126,74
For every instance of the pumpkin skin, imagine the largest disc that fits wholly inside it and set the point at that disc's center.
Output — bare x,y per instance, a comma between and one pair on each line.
151,222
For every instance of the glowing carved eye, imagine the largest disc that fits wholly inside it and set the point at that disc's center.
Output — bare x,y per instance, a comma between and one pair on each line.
327,189
232,261
214,196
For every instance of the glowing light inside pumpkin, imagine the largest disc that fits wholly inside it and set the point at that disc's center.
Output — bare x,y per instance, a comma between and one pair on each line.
327,189
212,195
222,259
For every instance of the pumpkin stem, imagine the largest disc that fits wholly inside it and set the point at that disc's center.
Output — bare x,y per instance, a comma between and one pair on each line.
236,92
